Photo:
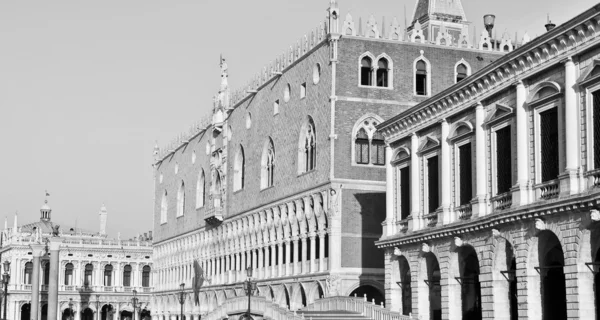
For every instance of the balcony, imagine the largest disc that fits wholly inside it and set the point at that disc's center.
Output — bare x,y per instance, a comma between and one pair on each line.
547,190
214,215
464,212
502,201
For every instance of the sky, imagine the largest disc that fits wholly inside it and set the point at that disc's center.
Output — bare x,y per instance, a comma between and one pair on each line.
88,87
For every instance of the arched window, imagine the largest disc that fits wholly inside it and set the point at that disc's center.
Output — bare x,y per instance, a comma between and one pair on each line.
461,72
164,205
267,165
87,278
378,149
47,273
421,78
181,199
382,73
146,276
28,273
108,269
361,147
127,276
69,274
307,157
200,190
238,169
366,71
217,190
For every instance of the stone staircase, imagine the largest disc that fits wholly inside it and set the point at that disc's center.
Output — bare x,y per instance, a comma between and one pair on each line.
331,315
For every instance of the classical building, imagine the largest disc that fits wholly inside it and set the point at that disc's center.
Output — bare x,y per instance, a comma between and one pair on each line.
287,175
493,203
96,275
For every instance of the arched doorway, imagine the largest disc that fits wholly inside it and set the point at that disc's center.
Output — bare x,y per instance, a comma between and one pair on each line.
371,292
433,283
126,315
511,263
87,314
552,262
405,283
26,311
44,312
68,314
107,312
145,315
470,286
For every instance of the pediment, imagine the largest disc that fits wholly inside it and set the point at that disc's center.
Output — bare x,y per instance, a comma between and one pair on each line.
591,72
429,142
501,111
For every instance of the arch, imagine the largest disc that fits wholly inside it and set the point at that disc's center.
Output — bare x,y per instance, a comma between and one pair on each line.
367,142
307,147
28,273
428,285
108,271
181,199
146,270
372,290
107,312
69,274
127,276
552,277
384,73
460,128
504,266
365,67
543,90
267,164
46,269
469,282
422,76
87,275
25,311
462,69
298,297
200,187
238,169
164,207
87,314
402,153
406,284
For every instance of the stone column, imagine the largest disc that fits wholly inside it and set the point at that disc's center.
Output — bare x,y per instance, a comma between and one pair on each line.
415,184
261,263
313,252
244,264
288,255
38,252
273,260
569,180
219,273
280,259
227,268
480,207
322,251
390,210
295,255
304,254
521,191
447,216
53,284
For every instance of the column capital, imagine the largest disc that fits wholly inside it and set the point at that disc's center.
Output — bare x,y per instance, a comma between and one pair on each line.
519,83
37,249
55,243
567,61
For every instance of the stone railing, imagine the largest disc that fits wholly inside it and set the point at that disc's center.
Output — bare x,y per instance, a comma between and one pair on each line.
502,201
547,190
259,306
360,305
464,212
593,178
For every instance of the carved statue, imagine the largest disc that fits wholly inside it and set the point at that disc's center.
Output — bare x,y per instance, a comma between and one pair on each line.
56,230
334,202
333,285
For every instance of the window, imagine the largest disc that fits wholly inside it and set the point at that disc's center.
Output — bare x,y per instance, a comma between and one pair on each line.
316,73
267,165
382,73
146,276
421,78
163,208
378,149
127,276
596,127
303,90
238,170
366,71
307,155
108,269
87,278
28,273
549,144
465,182
276,107
47,273
503,160
461,72
217,190
181,199
361,147
404,187
286,93
69,274
200,190
433,196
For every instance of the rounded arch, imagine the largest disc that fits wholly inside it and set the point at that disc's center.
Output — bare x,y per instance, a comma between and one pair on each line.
401,153
543,90
25,310
428,285
370,289
459,128
551,257
307,146
239,169
458,73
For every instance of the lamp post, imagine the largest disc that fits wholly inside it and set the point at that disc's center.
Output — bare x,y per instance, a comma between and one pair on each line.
134,302
249,287
71,308
5,280
181,300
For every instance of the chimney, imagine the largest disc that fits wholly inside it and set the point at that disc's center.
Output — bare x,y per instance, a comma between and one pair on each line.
549,26
145,236
150,234
489,20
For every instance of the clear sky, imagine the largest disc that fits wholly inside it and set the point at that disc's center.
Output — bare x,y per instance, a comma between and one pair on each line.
87,87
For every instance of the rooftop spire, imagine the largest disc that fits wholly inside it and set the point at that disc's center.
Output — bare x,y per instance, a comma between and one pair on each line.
451,10
45,210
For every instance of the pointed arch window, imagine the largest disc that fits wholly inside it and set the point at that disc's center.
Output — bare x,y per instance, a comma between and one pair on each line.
378,152
181,199
200,190
307,155
361,147
382,73
268,165
146,276
217,190
28,273
461,72
366,71
163,208
421,78
127,276
69,274
369,145
238,170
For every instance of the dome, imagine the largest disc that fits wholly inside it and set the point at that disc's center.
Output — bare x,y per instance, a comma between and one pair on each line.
45,211
45,206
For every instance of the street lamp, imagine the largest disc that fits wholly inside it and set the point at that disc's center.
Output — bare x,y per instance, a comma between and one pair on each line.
5,279
71,308
134,301
181,300
249,287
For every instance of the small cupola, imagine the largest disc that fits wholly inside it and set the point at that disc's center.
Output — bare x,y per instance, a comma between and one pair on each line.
45,211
